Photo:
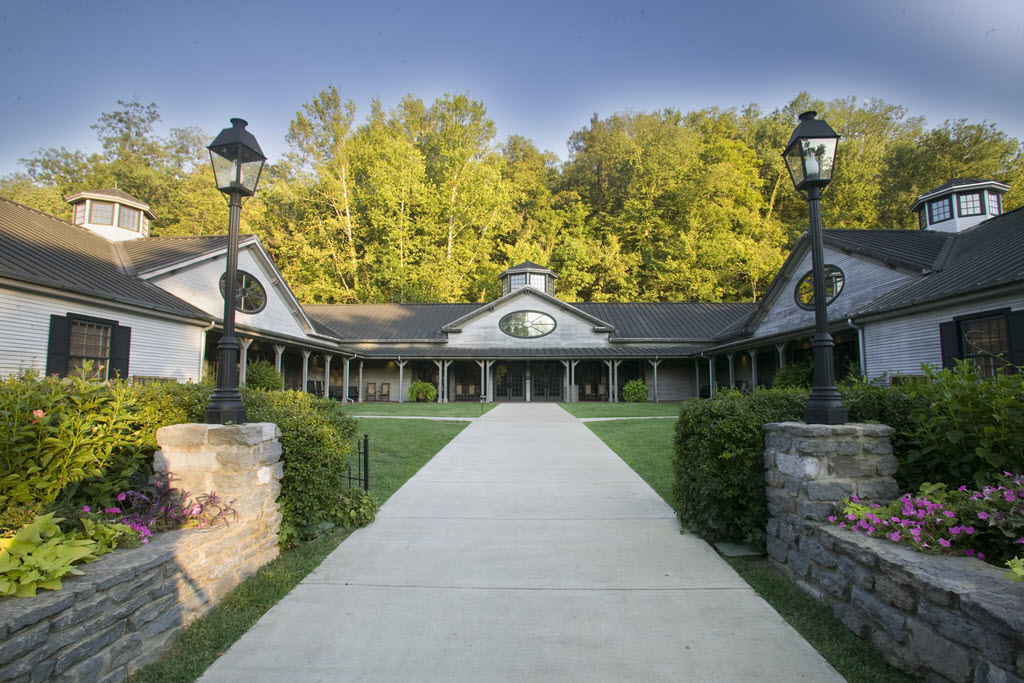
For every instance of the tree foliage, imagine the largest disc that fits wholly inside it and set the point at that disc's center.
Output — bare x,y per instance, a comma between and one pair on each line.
422,203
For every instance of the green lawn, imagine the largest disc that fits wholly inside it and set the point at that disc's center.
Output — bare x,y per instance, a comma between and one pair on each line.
467,409
398,449
622,409
647,447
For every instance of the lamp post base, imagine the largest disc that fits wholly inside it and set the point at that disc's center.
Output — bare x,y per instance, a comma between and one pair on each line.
225,407
825,407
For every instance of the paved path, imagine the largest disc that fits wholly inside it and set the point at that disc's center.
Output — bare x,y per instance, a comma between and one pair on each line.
526,550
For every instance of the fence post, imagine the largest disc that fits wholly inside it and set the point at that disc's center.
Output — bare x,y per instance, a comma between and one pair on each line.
366,462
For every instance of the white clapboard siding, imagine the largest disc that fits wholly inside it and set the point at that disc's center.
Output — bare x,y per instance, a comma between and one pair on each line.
571,330
899,346
865,281
199,285
159,347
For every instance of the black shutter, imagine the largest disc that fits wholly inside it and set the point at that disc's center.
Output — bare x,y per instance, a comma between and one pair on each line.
119,351
59,345
949,337
1015,331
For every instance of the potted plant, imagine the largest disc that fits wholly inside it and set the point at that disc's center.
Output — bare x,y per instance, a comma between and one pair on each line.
422,391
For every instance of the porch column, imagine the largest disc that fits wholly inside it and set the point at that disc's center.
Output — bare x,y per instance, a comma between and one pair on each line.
327,375
608,386
614,393
278,352
243,359
711,377
359,387
483,378
565,383
655,364
781,348
447,367
490,380
573,393
348,362
732,370
305,369
753,368
440,380
401,379
527,381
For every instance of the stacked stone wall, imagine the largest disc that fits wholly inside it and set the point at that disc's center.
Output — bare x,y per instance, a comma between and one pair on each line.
123,611
943,618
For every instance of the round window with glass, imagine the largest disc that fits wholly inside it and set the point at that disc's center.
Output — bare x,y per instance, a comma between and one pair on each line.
250,297
527,324
804,292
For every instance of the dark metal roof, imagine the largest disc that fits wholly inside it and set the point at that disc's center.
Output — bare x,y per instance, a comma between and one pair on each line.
387,322
47,251
915,249
155,253
989,255
445,351
669,321
527,267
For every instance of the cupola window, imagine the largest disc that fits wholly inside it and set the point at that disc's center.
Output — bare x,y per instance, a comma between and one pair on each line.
940,210
994,204
101,213
80,214
970,204
128,218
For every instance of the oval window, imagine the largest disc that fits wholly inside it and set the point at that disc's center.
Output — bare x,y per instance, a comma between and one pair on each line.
527,324
250,297
804,293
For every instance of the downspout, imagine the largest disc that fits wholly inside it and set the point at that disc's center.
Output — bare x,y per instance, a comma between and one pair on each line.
860,346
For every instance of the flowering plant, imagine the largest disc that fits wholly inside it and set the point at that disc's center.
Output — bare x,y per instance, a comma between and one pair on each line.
987,524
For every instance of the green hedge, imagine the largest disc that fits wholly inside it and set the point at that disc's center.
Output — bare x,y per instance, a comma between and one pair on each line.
952,427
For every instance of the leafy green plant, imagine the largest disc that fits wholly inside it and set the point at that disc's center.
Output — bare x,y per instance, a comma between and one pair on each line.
964,427
420,390
72,437
634,391
795,375
39,555
357,508
316,438
263,375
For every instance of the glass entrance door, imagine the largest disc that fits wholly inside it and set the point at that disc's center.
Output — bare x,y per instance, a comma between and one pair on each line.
509,381
546,381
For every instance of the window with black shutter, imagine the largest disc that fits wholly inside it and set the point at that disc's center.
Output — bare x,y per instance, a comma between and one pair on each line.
76,340
993,341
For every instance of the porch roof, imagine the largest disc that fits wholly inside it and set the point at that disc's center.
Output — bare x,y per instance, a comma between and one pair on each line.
445,352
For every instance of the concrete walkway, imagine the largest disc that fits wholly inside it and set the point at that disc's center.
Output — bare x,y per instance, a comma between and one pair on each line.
526,550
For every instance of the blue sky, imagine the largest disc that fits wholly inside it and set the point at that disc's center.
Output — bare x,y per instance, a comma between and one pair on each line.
541,68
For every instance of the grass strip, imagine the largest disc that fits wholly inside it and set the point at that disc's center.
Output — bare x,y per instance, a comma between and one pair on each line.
398,449
601,409
646,446
467,409
857,660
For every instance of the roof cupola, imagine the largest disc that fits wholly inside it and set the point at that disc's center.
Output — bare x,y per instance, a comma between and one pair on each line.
527,274
959,204
111,213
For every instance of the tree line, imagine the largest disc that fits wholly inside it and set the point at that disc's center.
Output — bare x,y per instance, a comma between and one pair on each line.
421,203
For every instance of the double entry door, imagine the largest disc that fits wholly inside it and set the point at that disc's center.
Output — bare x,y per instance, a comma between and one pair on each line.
545,381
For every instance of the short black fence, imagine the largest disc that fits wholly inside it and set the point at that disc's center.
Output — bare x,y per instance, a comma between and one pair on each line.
362,475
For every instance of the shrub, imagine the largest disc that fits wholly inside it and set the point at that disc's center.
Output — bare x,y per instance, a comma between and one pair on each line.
963,427
261,374
422,390
161,404
795,375
316,437
72,438
719,461
634,391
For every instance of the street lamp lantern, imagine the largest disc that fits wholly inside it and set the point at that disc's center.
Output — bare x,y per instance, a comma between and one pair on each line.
237,159
237,163
810,157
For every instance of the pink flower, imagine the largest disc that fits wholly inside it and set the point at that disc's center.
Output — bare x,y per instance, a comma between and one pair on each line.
944,543
894,536
981,556
948,513
962,488
855,499
122,496
982,515
970,552
85,508
1009,496
832,518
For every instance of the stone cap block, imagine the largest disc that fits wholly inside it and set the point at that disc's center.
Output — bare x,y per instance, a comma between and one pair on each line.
249,434
848,429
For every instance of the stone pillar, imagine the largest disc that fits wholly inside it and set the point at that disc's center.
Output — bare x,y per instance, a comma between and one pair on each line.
811,467
241,464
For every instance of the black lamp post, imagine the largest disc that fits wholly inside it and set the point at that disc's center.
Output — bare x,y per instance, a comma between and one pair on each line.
237,163
810,157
